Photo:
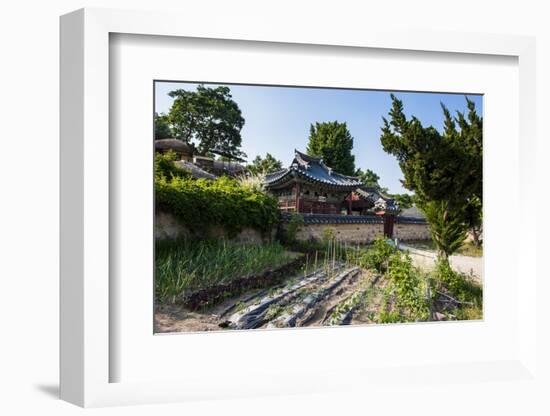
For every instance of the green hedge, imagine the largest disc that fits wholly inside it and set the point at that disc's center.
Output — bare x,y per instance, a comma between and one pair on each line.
200,203
165,166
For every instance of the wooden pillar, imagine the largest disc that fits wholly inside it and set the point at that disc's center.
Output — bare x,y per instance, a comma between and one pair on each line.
350,199
388,225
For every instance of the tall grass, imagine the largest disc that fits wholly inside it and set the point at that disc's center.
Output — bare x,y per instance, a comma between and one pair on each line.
255,183
184,266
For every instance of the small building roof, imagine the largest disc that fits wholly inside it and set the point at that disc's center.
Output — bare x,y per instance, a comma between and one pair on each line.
174,144
196,172
378,200
219,166
231,167
313,170
413,212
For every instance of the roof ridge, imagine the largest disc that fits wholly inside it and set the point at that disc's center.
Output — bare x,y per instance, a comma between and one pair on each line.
304,157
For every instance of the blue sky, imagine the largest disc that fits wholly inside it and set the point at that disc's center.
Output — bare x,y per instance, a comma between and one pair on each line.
278,119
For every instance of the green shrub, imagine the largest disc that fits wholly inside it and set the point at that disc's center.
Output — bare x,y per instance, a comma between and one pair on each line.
461,286
470,249
165,166
328,236
408,286
377,256
296,221
467,313
202,203
390,317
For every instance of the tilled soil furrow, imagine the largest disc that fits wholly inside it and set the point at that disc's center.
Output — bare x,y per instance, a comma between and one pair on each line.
254,315
303,310
324,308
245,299
343,312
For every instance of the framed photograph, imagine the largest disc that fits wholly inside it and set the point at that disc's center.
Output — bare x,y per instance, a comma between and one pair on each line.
261,212
252,233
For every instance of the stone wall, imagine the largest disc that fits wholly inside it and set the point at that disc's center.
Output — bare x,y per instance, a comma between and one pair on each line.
350,233
168,227
407,232
362,233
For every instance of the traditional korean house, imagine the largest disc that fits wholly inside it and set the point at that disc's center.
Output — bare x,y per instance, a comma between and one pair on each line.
308,186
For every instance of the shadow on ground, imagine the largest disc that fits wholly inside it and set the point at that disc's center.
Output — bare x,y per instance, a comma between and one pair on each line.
51,390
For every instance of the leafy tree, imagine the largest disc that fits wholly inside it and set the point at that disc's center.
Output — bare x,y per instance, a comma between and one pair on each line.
264,165
444,170
368,177
162,128
403,200
208,117
333,142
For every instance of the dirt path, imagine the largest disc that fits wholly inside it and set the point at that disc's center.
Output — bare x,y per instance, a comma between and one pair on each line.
426,259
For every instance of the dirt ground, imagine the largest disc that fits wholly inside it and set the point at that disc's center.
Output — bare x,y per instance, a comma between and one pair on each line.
425,259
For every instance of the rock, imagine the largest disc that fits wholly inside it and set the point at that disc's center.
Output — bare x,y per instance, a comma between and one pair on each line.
438,316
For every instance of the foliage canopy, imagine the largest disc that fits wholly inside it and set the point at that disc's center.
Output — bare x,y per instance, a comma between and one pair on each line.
162,127
333,142
443,169
208,117
264,165
368,177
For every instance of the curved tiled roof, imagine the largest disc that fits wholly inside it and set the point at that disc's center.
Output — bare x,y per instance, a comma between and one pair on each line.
175,145
196,172
336,218
410,220
313,170
413,212
233,167
378,198
350,219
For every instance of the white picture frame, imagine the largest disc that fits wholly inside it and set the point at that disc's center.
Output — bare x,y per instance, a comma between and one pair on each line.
86,357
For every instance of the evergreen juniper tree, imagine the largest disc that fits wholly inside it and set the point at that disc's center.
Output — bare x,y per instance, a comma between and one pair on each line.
444,170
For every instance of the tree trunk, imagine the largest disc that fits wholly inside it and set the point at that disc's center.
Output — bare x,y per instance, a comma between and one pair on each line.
476,233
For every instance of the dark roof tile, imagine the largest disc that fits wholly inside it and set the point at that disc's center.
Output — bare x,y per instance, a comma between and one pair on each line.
312,169
175,145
